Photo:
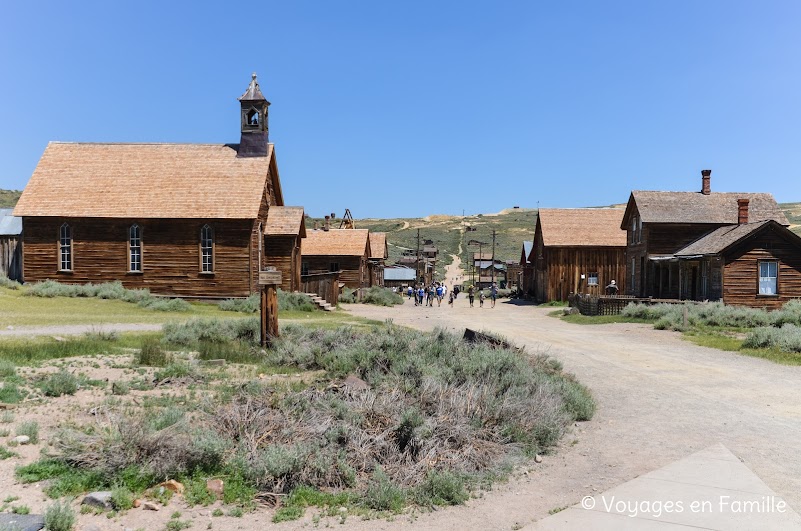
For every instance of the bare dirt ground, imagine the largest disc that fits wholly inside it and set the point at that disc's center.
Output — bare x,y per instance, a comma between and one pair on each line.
659,399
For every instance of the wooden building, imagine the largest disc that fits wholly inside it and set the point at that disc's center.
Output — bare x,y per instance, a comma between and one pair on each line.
527,280
379,253
577,250
10,245
180,219
343,250
283,231
750,264
399,277
660,224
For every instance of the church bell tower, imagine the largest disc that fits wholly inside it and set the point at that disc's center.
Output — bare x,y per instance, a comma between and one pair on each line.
253,116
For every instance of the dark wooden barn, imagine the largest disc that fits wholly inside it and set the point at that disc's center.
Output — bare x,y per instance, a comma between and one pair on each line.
180,219
343,250
660,224
527,278
283,231
577,250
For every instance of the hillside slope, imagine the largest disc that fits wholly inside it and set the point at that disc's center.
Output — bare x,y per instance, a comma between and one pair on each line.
9,198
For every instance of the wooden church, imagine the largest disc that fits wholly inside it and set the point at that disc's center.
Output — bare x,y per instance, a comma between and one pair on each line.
183,220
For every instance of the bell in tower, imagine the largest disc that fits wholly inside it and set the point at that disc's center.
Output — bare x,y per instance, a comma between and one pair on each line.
254,107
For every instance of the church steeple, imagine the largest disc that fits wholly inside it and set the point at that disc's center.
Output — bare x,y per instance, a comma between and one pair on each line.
253,116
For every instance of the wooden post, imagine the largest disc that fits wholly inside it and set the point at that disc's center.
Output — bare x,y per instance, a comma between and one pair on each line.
269,282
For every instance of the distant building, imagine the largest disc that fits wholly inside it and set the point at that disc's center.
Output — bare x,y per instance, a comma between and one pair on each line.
344,250
378,257
10,245
399,277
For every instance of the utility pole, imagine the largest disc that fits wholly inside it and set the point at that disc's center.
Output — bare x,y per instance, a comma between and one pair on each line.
417,260
493,256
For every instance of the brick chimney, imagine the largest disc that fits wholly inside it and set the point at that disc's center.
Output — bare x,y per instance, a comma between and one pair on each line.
742,211
705,188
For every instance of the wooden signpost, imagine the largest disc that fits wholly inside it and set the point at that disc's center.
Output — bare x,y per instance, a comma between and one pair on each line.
269,282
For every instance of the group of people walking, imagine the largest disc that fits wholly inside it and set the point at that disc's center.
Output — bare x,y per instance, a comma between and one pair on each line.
426,295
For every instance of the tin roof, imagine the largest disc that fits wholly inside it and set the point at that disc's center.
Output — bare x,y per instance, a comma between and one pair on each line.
399,273
9,225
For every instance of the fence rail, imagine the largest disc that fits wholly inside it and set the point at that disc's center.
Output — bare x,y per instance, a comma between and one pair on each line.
610,304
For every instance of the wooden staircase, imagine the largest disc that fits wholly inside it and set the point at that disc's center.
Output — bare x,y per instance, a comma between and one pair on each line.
320,302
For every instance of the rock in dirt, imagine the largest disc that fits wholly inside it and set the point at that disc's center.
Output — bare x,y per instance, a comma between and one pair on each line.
175,486
355,383
215,486
100,499
137,503
22,439
22,522
538,458
150,506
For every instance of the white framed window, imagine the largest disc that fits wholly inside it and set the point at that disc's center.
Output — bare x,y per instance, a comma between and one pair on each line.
206,249
135,249
769,278
592,279
65,247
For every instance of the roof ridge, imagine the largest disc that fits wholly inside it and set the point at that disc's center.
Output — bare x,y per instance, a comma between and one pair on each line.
147,143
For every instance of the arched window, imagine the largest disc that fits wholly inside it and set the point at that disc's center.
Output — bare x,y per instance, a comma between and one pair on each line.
65,247
206,249
135,248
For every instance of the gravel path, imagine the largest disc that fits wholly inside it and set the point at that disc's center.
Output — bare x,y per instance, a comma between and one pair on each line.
659,397
75,330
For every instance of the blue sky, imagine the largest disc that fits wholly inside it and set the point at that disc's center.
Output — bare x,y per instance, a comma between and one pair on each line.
410,108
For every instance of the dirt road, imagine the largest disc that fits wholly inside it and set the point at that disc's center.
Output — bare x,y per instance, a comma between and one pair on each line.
659,398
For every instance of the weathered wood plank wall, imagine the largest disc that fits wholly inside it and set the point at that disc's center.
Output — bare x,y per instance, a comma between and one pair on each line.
353,269
170,255
559,272
11,257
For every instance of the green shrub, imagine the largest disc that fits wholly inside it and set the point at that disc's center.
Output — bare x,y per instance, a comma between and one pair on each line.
60,383
213,330
381,296
250,304
122,498
287,514
10,393
787,338
31,429
7,369
59,517
8,283
21,509
232,352
120,388
442,488
109,290
166,418
177,370
383,495
152,354
348,295
294,302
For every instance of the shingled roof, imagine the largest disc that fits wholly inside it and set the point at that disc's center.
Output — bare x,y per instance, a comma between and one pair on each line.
335,242
285,221
378,245
722,238
582,227
695,207
147,181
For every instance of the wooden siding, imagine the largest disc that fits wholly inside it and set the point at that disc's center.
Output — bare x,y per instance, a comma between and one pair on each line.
559,271
283,253
353,269
170,255
376,272
11,257
741,271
